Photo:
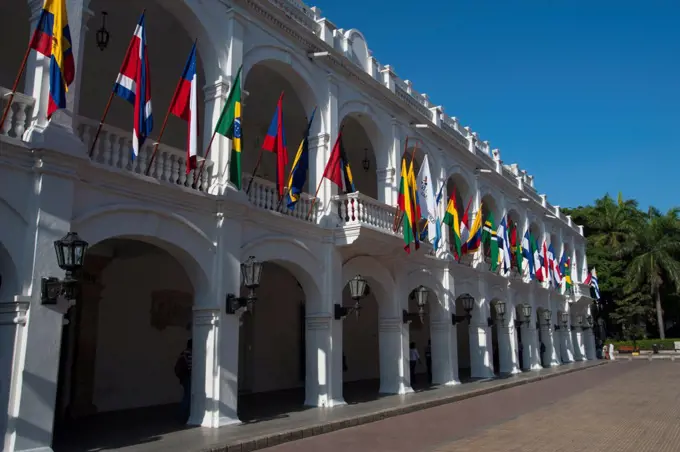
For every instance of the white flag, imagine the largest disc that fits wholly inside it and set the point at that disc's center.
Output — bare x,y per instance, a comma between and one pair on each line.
428,204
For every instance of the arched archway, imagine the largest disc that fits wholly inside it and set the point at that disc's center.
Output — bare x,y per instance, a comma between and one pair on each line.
272,345
169,25
361,140
146,288
265,81
463,337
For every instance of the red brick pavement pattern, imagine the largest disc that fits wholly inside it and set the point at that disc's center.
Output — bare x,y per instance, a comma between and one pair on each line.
630,406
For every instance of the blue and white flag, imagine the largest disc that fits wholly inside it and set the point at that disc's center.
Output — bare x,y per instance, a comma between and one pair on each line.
528,255
504,244
428,205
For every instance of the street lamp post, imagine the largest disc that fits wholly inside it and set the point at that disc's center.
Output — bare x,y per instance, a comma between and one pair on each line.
421,295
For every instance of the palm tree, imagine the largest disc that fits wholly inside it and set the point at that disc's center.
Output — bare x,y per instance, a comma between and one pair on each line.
613,221
654,248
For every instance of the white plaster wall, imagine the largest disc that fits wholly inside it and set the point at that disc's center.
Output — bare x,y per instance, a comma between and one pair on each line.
135,361
360,340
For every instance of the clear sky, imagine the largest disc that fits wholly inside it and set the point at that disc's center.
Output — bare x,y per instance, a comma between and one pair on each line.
584,94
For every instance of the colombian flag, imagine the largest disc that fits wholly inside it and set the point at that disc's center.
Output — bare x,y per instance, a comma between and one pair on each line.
475,240
52,39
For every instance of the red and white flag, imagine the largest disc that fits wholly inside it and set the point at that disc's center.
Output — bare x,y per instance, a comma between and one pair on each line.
184,106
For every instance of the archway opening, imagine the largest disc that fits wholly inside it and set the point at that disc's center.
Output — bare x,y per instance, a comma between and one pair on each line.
420,337
272,347
265,82
523,357
101,67
131,323
543,340
360,138
457,184
361,348
463,342
15,35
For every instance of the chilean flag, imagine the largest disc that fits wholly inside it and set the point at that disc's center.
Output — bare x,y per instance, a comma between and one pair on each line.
275,141
134,85
183,106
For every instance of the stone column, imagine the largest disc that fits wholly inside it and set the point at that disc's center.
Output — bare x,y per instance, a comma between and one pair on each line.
205,363
535,347
323,383
58,133
386,185
567,350
591,353
444,352
550,357
50,210
13,319
577,339
481,365
507,349
394,366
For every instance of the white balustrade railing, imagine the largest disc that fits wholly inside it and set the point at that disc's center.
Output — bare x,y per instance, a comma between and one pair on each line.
114,146
19,114
263,194
355,208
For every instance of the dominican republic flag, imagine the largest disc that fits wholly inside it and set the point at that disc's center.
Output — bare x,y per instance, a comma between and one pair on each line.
504,244
555,277
275,141
527,254
541,262
183,106
134,85
591,280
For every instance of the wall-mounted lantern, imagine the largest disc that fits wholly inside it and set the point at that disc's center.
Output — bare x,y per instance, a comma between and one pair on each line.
468,302
70,252
499,306
251,274
103,33
421,294
357,290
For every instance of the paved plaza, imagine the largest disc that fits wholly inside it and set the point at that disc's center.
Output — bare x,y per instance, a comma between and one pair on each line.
623,406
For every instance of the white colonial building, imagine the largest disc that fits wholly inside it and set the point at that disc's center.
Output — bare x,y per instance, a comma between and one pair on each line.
164,252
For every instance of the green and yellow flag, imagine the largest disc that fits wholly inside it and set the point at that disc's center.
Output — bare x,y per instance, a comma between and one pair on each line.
451,219
229,125
406,205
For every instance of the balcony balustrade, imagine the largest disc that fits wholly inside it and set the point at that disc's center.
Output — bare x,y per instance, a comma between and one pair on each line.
263,194
358,209
19,115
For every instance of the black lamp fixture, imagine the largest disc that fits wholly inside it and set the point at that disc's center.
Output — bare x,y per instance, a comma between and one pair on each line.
70,252
366,162
357,290
526,315
420,293
547,315
251,273
103,33
499,306
468,302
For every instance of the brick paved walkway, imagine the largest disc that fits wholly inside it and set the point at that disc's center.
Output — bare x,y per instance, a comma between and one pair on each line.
624,406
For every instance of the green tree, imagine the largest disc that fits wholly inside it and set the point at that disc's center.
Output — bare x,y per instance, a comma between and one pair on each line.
653,249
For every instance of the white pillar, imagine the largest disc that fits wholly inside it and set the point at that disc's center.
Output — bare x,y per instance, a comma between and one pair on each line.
535,347
323,381
567,350
394,366
58,133
444,352
577,340
507,350
13,319
591,353
481,365
550,357
205,363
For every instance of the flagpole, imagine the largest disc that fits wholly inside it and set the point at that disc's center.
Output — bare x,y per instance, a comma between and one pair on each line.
252,175
316,194
165,122
205,157
22,68
101,123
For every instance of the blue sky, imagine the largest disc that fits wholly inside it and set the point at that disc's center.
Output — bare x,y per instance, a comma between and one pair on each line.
583,94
